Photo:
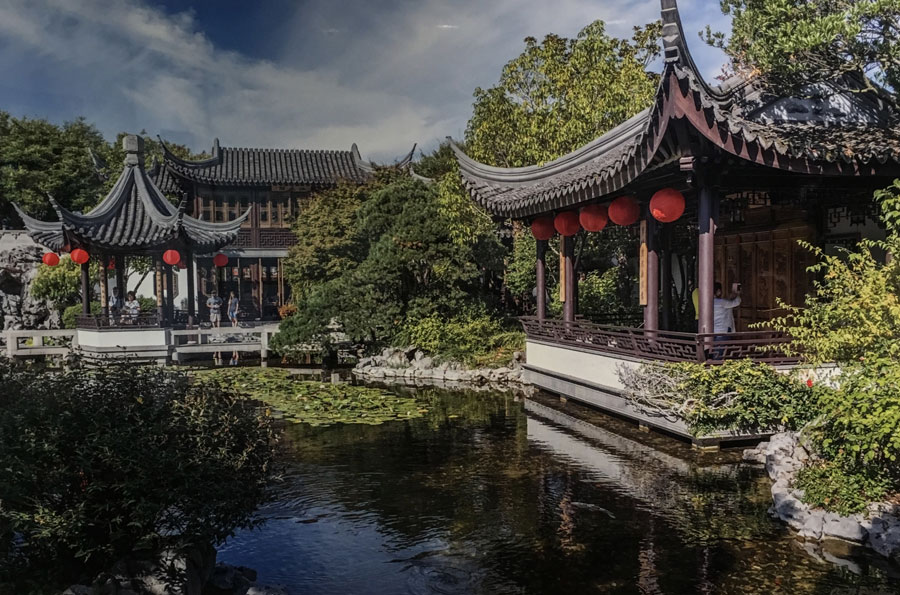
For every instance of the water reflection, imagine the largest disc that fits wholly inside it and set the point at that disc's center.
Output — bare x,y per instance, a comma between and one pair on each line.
488,494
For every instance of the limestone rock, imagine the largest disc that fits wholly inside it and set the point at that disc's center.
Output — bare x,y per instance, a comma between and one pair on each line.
20,259
846,528
273,590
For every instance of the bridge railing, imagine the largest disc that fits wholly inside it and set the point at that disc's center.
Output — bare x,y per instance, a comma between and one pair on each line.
32,343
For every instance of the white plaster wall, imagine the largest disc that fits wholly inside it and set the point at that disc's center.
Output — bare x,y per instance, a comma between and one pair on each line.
595,368
148,288
122,338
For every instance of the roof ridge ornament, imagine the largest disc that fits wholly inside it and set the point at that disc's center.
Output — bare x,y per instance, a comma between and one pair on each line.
133,145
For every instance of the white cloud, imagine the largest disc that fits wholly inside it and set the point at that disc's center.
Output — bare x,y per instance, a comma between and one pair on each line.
350,72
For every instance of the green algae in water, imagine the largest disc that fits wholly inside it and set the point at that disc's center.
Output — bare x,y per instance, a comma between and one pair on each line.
315,403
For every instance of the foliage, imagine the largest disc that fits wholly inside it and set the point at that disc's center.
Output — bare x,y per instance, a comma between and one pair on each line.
827,485
853,319
795,43
101,463
472,336
61,284
315,403
71,313
287,310
735,395
404,265
39,158
561,93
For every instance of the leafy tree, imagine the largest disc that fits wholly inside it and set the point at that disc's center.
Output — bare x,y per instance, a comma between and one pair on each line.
558,95
61,284
795,43
562,93
39,158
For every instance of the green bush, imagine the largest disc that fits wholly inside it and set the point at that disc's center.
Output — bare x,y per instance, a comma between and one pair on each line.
103,463
72,312
474,337
827,485
735,395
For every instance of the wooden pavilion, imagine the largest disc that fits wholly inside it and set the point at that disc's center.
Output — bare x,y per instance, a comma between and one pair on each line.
756,173
134,219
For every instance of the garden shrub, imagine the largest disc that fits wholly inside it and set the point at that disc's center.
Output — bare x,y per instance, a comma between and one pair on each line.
735,395
828,485
853,319
474,337
99,464
70,314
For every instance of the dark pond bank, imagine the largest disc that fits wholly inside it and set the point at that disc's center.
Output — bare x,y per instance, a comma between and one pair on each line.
492,494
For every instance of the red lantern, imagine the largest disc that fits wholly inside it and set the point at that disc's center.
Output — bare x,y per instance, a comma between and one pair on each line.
220,260
624,210
593,217
542,228
51,259
667,205
566,223
171,257
112,263
80,256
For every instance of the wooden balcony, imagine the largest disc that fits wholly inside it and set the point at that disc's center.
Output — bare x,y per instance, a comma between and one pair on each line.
666,346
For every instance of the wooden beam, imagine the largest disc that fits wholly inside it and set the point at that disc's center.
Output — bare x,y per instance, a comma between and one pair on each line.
541,286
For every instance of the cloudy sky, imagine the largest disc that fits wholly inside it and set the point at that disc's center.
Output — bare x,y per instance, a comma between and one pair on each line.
282,73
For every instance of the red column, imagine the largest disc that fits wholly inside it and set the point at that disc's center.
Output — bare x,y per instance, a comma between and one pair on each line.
571,281
541,286
708,215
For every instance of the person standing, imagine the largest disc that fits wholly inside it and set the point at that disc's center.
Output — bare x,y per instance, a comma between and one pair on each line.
234,305
132,308
723,310
214,304
115,306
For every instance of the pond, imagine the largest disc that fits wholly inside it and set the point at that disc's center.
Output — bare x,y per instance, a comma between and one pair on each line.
492,493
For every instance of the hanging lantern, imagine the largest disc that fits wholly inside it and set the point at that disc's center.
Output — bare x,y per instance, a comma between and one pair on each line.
80,256
51,259
566,223
624,210
220,260
667,205
171,257
112,263
593,217
542,228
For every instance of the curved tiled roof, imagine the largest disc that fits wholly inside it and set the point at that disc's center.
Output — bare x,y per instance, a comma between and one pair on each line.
262,167
134,217
720,114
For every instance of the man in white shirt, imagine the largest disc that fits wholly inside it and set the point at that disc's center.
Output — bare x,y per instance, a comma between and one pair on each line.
723,310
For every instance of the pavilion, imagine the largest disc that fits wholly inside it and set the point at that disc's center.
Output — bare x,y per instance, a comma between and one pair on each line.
134,220
727,178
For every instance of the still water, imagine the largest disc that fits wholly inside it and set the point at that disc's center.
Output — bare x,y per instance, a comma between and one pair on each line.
490,493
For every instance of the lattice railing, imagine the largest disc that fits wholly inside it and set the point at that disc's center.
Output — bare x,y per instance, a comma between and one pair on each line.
660,345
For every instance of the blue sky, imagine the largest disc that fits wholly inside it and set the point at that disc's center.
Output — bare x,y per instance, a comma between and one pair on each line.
279,73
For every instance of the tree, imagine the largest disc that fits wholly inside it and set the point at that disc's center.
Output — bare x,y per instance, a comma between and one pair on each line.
555,97
61,284
793,44
39,158
561,94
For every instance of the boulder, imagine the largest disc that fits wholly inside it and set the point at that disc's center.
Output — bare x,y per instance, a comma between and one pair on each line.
884,536
20,260
846,528
273,590
754,455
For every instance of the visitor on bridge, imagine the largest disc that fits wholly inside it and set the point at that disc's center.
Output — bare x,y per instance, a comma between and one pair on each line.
234,305
214,303
132,308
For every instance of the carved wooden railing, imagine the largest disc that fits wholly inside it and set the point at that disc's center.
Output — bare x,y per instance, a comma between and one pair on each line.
123,321
764,346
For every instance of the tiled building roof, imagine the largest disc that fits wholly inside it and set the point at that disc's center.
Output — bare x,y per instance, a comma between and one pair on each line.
782,133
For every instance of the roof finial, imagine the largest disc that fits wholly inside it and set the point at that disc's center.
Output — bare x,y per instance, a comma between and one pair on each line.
134,150
673,37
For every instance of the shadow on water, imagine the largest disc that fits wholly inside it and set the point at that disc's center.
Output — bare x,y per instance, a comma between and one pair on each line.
490,493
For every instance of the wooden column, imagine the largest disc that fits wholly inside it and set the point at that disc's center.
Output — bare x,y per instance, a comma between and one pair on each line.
120,277
191,290
665,236
259,278
85,289
708,215
104,287
541,286
170,295
160,313
651,310
571,281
